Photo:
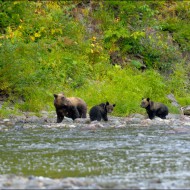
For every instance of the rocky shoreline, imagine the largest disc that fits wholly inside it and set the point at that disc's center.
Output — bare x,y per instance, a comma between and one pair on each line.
176,122
49,119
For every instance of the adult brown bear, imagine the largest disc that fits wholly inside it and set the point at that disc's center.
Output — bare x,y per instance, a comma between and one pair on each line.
154,108
72,107
100,111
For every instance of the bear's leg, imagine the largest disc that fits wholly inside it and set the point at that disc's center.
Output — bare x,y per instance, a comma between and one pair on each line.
59,119
83,115
74,113
105,117
82,112
163,112
151,115
60,116
162,116
95,116
99,117
92,115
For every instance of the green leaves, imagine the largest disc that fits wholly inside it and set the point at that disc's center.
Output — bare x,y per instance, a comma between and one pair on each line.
97,49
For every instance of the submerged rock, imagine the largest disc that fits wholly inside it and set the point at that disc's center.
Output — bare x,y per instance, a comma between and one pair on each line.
93,126
82,120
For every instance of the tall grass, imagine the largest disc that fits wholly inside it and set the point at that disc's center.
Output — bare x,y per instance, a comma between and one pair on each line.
125,88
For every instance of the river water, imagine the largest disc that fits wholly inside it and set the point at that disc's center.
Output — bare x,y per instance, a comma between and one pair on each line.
130,157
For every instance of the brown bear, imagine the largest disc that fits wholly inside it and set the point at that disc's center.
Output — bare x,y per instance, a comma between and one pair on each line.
100,111
72,107
154,108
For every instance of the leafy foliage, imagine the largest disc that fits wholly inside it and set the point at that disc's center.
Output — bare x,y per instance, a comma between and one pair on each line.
48,47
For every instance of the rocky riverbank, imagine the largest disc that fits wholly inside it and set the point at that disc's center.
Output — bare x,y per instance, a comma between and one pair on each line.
176,122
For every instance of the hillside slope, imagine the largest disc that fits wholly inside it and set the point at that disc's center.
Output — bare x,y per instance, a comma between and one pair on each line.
117,51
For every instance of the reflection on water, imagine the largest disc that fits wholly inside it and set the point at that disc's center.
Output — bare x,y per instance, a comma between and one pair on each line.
132,157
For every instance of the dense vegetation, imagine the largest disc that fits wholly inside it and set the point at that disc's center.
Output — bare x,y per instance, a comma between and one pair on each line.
117,51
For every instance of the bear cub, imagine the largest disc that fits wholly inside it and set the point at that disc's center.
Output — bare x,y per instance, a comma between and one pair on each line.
100,111
72,107
154,108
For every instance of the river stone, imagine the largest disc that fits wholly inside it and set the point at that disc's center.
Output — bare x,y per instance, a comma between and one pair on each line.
33,119
6,120
82,120
186,110
141,135
120,126
1,122
20,119
137,115
61,125
18,127
187,123
97,125
115,122
93,126
2,127
146,122
68,119
71,126
49,120
27,126
129,120
181,130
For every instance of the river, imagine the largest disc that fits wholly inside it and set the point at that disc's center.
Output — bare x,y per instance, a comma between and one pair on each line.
127,157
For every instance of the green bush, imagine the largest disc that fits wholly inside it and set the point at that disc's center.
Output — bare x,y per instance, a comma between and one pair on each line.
49,47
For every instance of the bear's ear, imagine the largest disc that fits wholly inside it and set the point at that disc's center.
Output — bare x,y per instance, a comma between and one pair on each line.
107,103
148,99
114,105
55,95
